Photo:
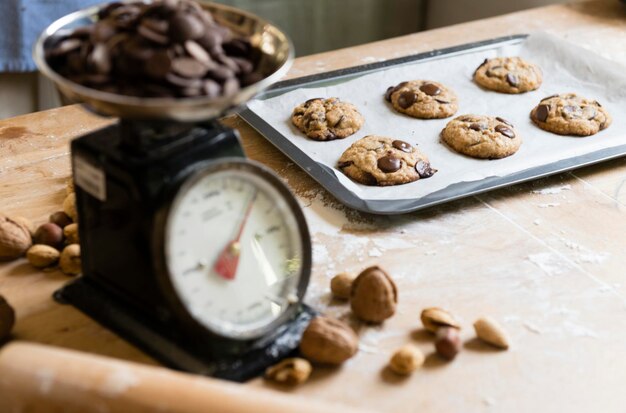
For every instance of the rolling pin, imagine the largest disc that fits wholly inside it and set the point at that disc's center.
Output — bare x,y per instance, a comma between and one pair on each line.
40,379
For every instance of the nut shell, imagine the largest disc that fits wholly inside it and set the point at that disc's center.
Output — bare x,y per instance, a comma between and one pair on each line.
434,317
489,331
291,371
328,341
71,234
341,285
406,360
41,256
7,319
374,295
69,261
15,238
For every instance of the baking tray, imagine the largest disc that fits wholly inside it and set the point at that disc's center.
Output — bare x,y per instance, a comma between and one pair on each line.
326,177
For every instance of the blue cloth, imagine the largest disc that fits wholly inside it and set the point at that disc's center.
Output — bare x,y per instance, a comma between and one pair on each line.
21,22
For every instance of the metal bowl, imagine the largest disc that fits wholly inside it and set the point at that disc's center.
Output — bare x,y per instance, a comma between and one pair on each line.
276,59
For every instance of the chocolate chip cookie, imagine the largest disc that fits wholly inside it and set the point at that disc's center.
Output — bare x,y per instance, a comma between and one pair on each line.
382,161
422,99
327,119
570,114
482,137
508,75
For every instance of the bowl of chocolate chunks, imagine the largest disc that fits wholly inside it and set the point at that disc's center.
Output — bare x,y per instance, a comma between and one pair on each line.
162,59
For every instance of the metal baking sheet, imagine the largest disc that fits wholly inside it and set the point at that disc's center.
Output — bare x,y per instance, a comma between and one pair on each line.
326,177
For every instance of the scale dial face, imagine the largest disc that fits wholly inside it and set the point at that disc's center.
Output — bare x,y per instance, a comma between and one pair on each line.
235,249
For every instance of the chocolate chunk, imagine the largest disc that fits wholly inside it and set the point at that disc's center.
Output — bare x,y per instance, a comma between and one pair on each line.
504,121
589,112
330,135
571,111
542,112
388,93
344,164
430,89
308,102
512,80
505,131
424,169
477,126
491,72
197,52
441,101
595,102
406,99
481,65
549,97
188,67
184,26
402,145
389,164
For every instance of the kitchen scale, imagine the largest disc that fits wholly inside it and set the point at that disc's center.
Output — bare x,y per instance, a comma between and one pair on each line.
190,251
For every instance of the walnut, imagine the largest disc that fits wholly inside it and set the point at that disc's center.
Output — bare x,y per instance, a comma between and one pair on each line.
328,341
374,296
70,262
15,238
291,371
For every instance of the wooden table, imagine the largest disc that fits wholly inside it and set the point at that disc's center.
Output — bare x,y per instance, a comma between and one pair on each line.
545,258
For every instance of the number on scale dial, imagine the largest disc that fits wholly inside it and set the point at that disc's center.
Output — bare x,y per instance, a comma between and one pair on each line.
234,251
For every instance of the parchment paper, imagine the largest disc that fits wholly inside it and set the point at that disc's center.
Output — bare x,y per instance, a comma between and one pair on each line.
566,68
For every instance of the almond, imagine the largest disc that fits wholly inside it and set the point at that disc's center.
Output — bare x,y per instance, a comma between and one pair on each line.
489,331
435,317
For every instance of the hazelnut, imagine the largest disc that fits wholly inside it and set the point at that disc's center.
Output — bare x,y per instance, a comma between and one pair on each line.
406,360
435,317
329,341
70,260
71,234
374,296
15,238
447,342
41,256
341,285
489,331
69,206
291,371
7,319
61,219
49,234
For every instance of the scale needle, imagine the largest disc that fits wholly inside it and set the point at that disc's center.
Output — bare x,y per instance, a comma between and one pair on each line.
228,260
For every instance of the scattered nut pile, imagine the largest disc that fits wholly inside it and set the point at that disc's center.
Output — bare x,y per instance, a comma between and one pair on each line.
168,48
373,298
53,243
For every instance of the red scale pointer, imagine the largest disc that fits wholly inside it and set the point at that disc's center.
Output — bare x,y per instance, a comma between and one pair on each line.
228,260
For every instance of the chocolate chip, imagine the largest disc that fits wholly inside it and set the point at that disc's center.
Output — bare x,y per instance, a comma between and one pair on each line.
406,99
504,121
430,89
221,73
308,102
182,81
65,47
211,88
389,164
505,131
595,102
441,101
542,112
330,135
477,126
424,169
491,72
589,112
344,164
197,52
402,145
100,59
481,65
571,111
512,79
149,34
159,65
